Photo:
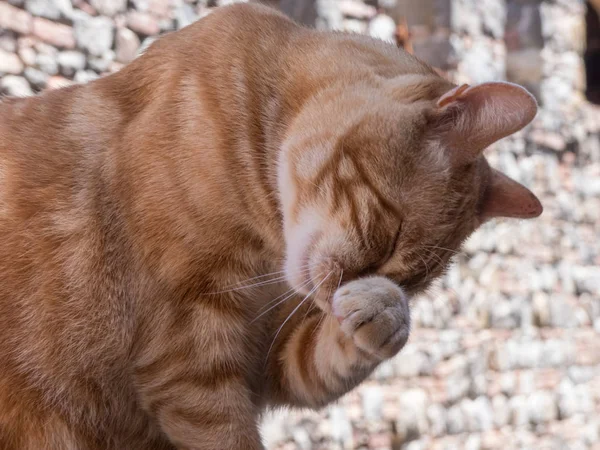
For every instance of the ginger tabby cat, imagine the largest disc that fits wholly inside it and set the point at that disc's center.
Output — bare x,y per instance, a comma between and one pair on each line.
234,221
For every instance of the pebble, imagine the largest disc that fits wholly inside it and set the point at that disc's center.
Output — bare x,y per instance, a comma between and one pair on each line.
15,86
36,77
383,27
94,34
84,76
42,8
103,63
142,23
542,407
372,402
127,45
185,15
47,63
57,34
70,62
15,19
10,63
109,7
8,41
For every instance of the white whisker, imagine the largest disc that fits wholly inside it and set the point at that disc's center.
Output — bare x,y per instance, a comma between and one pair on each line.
455,252
426,266
291,293
240,286
294,311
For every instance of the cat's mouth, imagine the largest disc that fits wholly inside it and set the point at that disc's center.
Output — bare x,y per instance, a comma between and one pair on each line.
319,283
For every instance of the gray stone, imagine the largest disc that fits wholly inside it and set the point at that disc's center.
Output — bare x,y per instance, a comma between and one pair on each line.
47,63
581,374
372,402
8,42
436,415
591,433
36,77
503,315
15,86
526,382
456,420
519,411
473,442
70,62
478,385
45,49
341,428
574,399
411,362
508,383
185,15
103,63
385,371
561,312
84,76
542,407
413,411
302,438
557,352
383,27
501,410
457,387
109,7
478,413
94,34
146,43
416,445
43,8
587,279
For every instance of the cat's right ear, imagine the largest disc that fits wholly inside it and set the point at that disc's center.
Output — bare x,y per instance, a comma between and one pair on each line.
468,119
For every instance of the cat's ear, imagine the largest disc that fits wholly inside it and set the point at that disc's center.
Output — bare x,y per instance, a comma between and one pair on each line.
505,197
470,118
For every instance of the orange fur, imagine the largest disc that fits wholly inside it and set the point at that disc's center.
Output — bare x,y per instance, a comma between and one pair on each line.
134,210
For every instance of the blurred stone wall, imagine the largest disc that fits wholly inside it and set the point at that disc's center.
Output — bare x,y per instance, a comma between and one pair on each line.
505,352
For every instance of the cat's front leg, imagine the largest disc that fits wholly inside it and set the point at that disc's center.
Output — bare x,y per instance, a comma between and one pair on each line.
190,375
329,354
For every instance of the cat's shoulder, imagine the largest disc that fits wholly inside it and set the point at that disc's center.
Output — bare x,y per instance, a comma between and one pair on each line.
243,19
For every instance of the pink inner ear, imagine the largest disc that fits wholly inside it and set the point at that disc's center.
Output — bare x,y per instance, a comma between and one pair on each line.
507,198
452,95
485,113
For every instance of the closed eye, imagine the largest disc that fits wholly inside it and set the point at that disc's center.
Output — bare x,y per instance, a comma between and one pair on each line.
372,268
395,243
393,246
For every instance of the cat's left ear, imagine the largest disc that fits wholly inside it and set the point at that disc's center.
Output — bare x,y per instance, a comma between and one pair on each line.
470,118
504,197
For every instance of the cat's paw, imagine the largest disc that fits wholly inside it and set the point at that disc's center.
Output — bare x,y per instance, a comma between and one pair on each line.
374,312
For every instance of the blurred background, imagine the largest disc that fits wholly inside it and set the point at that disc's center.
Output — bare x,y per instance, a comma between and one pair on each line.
505,351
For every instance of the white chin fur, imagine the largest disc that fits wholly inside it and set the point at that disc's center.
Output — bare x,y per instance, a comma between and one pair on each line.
299,238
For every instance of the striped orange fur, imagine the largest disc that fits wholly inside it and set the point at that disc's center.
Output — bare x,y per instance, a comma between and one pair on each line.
234,221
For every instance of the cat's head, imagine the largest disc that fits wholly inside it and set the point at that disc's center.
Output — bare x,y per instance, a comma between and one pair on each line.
371,183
